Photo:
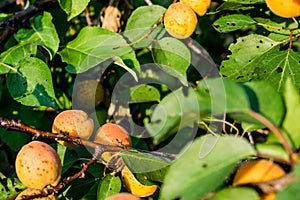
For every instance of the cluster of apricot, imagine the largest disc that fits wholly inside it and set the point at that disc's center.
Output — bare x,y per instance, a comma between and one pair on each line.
38,165
180,19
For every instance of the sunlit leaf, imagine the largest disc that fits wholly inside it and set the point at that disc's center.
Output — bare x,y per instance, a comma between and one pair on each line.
43,33
233,22
255,57
73,7
91,47
140,22
204,166
172,56
13,55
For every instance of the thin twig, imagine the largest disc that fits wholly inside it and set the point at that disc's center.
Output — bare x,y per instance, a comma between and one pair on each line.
275,130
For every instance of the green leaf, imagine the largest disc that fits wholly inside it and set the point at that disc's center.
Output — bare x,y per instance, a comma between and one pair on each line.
226,96
31,83
233,22
172,56
176,111
263,98
10,187
16,53
43,33
140,22
144,93
256,57
204,166
292,102
151,165
273,150
92,46
109,185
73,7
239,4
236,193
279,28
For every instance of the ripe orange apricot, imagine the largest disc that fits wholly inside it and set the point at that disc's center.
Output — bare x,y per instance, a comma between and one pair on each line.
123,196
180,20
284,8
75,122
199,6
32,191
38,165
254,171
112,134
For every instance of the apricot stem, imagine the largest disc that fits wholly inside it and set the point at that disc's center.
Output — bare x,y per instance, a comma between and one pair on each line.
276,131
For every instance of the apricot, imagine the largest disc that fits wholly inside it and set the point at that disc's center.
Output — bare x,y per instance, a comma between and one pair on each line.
74,122
134,186
284,8
32,191
112,134
199,6
255,171
84,92
123,196
180,20
38,165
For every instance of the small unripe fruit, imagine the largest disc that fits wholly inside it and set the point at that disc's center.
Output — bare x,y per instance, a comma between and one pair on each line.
123,196
33,192
199,6
38,165
112,134
180,20
75,122
85,92
284,8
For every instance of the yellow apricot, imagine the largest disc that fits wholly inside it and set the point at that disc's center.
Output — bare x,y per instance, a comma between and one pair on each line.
134,186
180,20
38,165
199,6
284,8
123,196
74,122
254,171
32,191
84,92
